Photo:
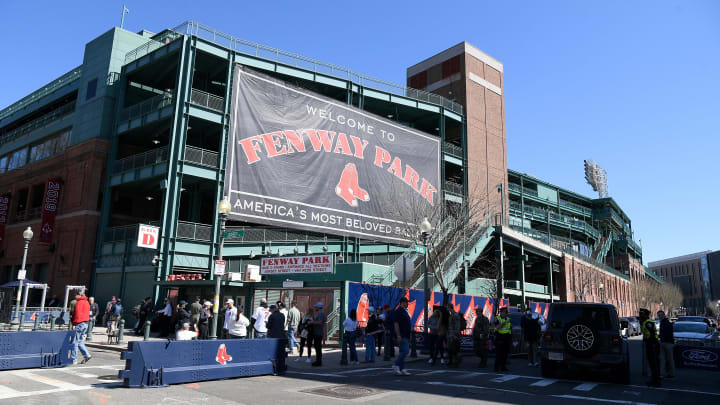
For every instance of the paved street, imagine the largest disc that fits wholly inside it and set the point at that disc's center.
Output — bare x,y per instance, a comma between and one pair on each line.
97,383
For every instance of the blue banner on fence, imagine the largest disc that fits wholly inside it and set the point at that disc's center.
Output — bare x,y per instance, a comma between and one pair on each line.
703,358
361,296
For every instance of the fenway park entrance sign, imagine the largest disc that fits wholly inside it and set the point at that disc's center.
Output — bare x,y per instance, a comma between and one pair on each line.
299,159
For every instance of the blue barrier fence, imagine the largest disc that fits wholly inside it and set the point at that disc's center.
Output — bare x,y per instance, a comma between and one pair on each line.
35,349
156,364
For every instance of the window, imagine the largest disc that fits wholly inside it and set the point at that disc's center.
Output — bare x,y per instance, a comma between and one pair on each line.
451,66
20,203
91,89
37,195
419,81
17,159
50,146
3,164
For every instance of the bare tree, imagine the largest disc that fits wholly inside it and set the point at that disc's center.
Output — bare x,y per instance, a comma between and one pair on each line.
653,295
457,228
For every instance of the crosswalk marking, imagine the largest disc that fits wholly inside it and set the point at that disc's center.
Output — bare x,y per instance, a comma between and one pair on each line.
504,378
75,372
471,375
7,392
435,372
614,401
543,383
585,386
359,370
46,380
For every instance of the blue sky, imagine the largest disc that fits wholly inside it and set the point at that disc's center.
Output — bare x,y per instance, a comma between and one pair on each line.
633,85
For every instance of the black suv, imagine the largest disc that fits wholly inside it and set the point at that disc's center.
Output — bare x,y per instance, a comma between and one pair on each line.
586,336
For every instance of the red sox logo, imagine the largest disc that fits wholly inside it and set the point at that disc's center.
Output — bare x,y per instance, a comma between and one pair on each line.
222,357
348,188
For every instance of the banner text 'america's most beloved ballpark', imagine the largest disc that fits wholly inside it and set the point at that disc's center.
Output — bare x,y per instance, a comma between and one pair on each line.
302,160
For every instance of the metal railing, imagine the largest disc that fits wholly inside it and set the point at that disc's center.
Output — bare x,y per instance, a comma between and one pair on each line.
567,221
258,234
151,157
576,207
277,55
38,123
205,99
147,106
202,156
453,150
193,231
61,81
153,44
27,215
516,188
453,187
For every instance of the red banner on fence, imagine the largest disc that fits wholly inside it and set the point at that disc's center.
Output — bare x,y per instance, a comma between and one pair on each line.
50,206
4,209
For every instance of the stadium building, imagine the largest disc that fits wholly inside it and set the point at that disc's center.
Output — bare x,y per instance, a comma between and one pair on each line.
143,132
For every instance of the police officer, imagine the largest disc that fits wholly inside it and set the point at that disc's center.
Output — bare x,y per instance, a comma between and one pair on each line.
652,346
503,338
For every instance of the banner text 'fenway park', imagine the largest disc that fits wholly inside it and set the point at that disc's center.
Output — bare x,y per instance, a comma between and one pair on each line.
302,160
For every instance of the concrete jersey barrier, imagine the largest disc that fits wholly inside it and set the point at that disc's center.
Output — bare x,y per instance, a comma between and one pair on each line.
36,349
155,364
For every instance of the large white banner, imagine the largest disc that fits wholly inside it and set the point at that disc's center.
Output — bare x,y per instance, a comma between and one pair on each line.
297,264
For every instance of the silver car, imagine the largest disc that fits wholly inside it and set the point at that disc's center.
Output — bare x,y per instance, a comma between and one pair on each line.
695,334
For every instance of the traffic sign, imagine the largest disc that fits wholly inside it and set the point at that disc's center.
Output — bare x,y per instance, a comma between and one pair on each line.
237,234
219,267
419,249
21,274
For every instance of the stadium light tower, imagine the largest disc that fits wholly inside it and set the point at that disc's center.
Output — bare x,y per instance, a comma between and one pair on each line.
596,176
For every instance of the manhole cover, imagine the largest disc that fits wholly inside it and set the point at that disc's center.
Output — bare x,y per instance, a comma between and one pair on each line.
345,391
109,377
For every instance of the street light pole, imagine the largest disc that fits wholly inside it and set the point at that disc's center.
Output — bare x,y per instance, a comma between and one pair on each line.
425,229
27,235
224,209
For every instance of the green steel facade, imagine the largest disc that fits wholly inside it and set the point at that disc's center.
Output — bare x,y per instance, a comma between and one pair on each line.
165,113
168,151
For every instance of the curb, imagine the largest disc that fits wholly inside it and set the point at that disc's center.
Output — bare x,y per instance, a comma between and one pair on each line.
117,348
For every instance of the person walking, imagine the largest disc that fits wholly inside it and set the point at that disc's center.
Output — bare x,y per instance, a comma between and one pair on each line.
204,321
389,334
480,334
305,333
443,332
144,312
318,332
401,326
455,328
433,337
350,326
667,344
503,336
380,336
259,320
652,346
293,321
80,318
371,331
276,323
531,334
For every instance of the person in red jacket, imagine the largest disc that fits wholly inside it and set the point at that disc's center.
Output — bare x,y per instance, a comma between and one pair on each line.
80,318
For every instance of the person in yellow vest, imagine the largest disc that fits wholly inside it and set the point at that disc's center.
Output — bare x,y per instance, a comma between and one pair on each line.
503,339
652,346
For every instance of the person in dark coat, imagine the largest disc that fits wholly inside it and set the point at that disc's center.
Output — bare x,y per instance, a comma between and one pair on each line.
276,323
183,316
531,334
